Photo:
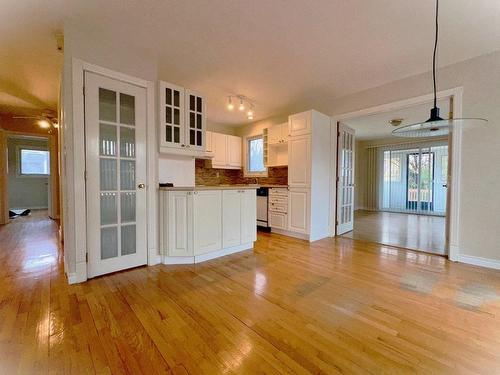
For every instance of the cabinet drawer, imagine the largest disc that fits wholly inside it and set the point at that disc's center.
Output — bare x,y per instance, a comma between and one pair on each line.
278,192
278,199
278,207
278,220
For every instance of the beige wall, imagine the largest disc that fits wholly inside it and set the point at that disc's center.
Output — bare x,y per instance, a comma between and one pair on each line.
480,174
258,127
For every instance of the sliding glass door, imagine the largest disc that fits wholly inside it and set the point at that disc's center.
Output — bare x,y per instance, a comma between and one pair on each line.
414,179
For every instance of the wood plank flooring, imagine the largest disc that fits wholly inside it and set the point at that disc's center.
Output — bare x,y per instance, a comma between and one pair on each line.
334,306
416,232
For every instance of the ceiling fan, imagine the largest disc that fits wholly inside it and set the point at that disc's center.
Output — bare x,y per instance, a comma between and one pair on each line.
435,126
46,120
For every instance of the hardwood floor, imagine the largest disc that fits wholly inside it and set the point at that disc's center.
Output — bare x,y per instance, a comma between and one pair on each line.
334,306
416,232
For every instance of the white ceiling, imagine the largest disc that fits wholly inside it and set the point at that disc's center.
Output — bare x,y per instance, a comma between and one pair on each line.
377,126
287,55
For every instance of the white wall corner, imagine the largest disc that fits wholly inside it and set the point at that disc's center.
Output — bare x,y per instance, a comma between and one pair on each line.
479,261
154,258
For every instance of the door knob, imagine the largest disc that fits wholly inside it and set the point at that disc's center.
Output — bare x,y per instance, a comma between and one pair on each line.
141,186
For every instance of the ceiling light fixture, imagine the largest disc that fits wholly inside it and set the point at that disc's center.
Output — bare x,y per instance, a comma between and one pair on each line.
43,124
435,126
244,103
230,105
396,121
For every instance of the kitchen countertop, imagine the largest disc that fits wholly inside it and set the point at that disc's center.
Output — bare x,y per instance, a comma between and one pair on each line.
209,187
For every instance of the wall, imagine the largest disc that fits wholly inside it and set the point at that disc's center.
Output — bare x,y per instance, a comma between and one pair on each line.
258,127
480,175
25,192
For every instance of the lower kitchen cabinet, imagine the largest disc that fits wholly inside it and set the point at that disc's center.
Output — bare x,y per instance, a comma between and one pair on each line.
179,205
278,220
207,221
299,210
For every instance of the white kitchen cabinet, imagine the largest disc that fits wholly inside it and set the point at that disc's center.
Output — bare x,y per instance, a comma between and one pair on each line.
182,118
207,226
179,222
195,120
299,124
233,151
278,134
248,216
299,161
299,210
208,141
219,148
226,151
231,218
171,116
197,225
278,220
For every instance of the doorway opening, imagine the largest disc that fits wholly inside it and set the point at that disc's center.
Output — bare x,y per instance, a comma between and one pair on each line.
401,194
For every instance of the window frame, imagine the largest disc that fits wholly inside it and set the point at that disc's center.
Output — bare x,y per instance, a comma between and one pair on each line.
19,173
246,171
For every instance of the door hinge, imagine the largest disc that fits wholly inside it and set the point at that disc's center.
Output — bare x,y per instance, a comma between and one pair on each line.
83,90
86,257
85,175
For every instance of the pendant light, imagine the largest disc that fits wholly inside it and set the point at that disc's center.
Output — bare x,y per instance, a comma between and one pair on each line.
435,126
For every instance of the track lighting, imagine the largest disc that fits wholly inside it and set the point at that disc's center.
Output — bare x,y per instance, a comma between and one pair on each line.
244,103
44,124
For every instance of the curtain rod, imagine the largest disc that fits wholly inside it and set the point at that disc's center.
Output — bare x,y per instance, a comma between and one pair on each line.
408,143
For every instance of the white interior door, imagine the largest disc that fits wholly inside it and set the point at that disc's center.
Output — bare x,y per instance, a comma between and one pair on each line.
345,179
115,130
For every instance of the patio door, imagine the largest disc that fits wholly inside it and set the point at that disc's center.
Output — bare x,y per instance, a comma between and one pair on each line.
345,179
115,130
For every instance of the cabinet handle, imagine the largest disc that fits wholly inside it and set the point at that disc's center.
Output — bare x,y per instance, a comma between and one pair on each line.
183,146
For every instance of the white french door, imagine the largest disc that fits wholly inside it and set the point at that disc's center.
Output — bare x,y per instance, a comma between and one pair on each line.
345,179
115,131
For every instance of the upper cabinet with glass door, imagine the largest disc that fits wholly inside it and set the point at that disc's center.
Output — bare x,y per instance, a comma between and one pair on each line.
182,120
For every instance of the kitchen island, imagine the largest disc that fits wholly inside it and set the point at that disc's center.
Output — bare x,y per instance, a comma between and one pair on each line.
206,222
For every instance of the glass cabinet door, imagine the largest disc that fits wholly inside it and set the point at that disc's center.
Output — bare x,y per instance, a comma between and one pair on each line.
172,115
195,118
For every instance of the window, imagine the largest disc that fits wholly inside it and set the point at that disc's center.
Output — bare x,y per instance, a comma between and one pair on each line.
34,162
392,167
255,156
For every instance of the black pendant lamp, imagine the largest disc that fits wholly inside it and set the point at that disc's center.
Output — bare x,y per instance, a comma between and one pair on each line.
435,126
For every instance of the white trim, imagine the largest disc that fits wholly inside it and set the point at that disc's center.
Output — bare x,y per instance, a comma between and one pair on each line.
479,261
300,236
208,256
454,203
77,196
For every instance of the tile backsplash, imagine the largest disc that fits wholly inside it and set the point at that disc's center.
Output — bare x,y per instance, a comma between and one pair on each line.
205,175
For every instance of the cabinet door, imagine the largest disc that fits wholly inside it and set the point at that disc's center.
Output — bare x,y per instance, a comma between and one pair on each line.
278,220
219,148
298,210
231,218
195,120
299,124
274,134
299,161
207,208
179,217
208,141
248,216
172,129
233,151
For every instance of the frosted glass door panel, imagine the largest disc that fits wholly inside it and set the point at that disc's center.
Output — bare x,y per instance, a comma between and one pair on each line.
115,148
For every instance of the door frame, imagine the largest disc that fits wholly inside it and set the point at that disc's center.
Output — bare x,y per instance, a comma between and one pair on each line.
455,152
77,195
54,201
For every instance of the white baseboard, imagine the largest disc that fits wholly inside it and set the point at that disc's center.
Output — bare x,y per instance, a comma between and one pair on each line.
207,256
153,258
300,236
479,261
